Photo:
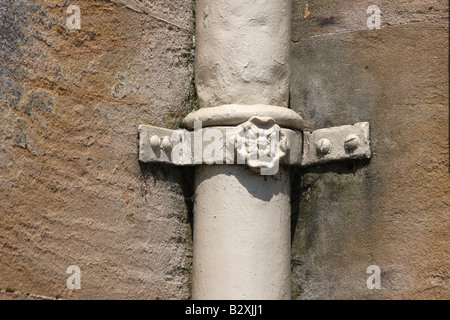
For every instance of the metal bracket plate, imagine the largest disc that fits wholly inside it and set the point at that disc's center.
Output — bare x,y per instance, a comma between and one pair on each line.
178,147
336,143
164,146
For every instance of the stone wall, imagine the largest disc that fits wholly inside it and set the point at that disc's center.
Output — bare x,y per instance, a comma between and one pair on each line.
73,193
393,210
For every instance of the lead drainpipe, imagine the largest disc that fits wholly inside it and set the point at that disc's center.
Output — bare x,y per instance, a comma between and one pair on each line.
241,218
242,202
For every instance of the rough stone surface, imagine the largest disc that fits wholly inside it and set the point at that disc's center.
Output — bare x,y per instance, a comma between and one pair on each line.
391,211
72,191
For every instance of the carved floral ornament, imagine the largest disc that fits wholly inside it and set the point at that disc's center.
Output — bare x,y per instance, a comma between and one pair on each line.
258,143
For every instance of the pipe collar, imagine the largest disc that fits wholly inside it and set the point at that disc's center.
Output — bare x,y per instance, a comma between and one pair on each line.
235,114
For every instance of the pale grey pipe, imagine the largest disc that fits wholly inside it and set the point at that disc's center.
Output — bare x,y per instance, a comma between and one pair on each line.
242,52
241,234
241,219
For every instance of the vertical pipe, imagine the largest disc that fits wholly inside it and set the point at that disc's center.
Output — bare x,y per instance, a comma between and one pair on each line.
242,219
241,234
242,52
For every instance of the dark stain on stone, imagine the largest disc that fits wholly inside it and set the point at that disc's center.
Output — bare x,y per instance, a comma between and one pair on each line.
39,100
312,226
328,124
296,192
13,16
327,21
305,94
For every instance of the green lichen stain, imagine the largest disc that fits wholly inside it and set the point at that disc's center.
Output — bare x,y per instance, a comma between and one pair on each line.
337,185
297,292
307,223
